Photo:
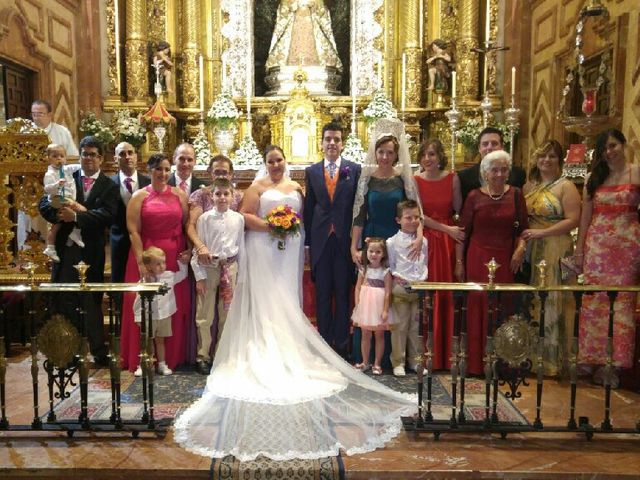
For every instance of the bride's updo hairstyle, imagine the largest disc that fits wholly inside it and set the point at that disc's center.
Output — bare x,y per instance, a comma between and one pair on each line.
156,159
271,148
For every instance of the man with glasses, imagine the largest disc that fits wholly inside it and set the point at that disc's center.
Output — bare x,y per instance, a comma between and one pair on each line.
92,211
42,113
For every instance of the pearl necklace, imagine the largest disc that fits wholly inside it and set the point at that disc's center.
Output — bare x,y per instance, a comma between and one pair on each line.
496,198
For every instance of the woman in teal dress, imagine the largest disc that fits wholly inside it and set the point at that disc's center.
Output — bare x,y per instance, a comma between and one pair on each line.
385,181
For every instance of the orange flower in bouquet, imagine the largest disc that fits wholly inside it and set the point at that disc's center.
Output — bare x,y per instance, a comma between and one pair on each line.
283,221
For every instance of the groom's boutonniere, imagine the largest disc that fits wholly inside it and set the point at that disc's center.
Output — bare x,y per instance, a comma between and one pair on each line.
344,172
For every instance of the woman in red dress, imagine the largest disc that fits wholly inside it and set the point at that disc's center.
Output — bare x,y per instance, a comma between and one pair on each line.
441,199
156,216
493,218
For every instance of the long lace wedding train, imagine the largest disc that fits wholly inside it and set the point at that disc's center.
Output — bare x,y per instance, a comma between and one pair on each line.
276,388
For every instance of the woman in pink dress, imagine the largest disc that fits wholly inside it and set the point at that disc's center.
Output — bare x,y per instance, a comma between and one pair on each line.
441,199
493,218
608,249
156,215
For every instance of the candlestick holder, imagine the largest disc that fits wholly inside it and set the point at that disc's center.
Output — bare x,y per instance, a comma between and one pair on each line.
542,267
453,116
512,119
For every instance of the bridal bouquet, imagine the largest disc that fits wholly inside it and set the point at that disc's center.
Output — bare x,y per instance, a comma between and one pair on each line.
283,221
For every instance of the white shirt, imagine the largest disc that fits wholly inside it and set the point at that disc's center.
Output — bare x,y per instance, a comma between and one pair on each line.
398,248
52,176
124,193
337,162
62,136
162,306
222,233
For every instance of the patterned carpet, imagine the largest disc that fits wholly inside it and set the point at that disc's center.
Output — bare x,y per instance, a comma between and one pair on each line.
174,393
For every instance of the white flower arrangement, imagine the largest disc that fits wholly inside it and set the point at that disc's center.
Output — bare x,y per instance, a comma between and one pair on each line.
468,133
379,107
202,148
248,154
90,124
128,128
353,149
223,113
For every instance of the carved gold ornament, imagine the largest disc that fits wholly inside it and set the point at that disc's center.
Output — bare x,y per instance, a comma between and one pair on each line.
59,340
515,341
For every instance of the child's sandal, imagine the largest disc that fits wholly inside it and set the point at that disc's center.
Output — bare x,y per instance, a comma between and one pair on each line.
362,366
376,370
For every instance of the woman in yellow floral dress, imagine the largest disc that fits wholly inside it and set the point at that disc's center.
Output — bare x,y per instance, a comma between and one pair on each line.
553,203
609,239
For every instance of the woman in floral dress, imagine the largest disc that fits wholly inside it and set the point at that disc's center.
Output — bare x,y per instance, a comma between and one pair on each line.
608,250
553,203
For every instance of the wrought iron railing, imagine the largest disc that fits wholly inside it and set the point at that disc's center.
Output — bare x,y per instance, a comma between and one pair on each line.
513,354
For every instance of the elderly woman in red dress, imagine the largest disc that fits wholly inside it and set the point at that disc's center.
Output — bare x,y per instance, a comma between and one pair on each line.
493,217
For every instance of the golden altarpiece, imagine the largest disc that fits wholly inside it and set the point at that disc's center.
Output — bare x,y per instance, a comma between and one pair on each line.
385,44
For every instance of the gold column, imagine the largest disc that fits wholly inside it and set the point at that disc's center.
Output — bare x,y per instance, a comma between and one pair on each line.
189,65
410,26
468,17
136,51
113,47
189,41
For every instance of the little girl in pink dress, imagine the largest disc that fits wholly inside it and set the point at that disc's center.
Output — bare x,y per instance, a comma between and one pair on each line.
373,298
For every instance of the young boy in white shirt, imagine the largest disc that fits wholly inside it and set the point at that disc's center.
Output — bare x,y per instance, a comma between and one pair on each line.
405,342
162,306
222,233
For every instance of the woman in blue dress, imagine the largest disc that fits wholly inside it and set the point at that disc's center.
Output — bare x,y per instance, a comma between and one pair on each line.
385,181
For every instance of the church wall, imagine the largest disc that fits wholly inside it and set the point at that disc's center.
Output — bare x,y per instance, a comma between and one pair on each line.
551,50
44,36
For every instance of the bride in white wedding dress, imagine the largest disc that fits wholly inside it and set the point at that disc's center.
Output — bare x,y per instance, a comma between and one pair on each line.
276,388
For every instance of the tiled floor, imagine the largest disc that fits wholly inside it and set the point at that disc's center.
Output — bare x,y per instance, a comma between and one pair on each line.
40,455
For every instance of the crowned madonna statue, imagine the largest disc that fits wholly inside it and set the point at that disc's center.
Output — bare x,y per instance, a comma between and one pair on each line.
303,38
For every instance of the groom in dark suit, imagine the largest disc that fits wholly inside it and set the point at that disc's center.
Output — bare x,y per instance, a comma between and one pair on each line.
328,211
92,211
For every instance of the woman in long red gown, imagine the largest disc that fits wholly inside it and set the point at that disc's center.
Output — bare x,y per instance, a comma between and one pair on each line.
493,217
441,199
156,215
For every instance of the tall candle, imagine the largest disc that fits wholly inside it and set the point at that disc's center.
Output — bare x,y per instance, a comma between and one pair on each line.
224,74
201,80
116,21
453,84
248,89
513,80
487,34
353,67
403,101
380,72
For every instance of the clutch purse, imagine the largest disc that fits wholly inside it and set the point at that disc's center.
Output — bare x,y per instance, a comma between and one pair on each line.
569,270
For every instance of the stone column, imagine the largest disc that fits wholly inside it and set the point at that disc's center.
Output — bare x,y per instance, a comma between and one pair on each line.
468,17
137,59
410,22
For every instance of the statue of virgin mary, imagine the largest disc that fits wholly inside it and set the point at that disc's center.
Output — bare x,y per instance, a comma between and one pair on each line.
303,37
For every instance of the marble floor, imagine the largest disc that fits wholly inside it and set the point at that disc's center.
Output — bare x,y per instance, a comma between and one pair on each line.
50,455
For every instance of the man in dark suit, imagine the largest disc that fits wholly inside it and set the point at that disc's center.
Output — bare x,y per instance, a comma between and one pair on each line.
93,212
489,140
128,180
184,158
328,211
